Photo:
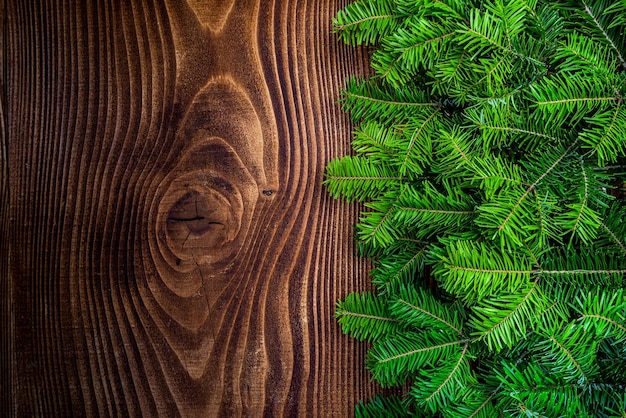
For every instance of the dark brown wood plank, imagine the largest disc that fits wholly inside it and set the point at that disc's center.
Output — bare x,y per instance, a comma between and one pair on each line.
172,251
6,318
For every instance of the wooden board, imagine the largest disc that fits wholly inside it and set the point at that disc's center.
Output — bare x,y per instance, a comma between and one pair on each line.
167,247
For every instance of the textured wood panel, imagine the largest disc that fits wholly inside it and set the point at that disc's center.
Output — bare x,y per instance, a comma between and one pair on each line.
7,365
171,249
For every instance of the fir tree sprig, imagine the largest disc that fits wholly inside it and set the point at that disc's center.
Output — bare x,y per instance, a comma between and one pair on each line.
490,151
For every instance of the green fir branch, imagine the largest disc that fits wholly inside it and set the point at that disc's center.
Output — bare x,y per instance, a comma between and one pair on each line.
357,178
401,266
365,22
444,385
366,317
394,360
419,309
504,320
594,17
382,407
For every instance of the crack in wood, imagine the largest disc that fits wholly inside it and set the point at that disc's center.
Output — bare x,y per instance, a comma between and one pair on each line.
197,218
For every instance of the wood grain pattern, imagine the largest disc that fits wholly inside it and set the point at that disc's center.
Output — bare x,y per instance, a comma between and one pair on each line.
167,246
7,364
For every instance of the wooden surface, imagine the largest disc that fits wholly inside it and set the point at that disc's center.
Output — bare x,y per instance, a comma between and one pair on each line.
167,247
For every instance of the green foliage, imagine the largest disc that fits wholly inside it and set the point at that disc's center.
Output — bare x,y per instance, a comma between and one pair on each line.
489,155
366,316
382,407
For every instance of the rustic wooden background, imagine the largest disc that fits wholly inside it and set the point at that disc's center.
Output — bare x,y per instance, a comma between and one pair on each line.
166,246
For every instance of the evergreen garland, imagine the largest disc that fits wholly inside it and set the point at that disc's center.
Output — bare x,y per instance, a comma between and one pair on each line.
490,155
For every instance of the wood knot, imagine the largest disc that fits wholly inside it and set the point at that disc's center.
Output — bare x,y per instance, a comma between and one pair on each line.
202,214
200,220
